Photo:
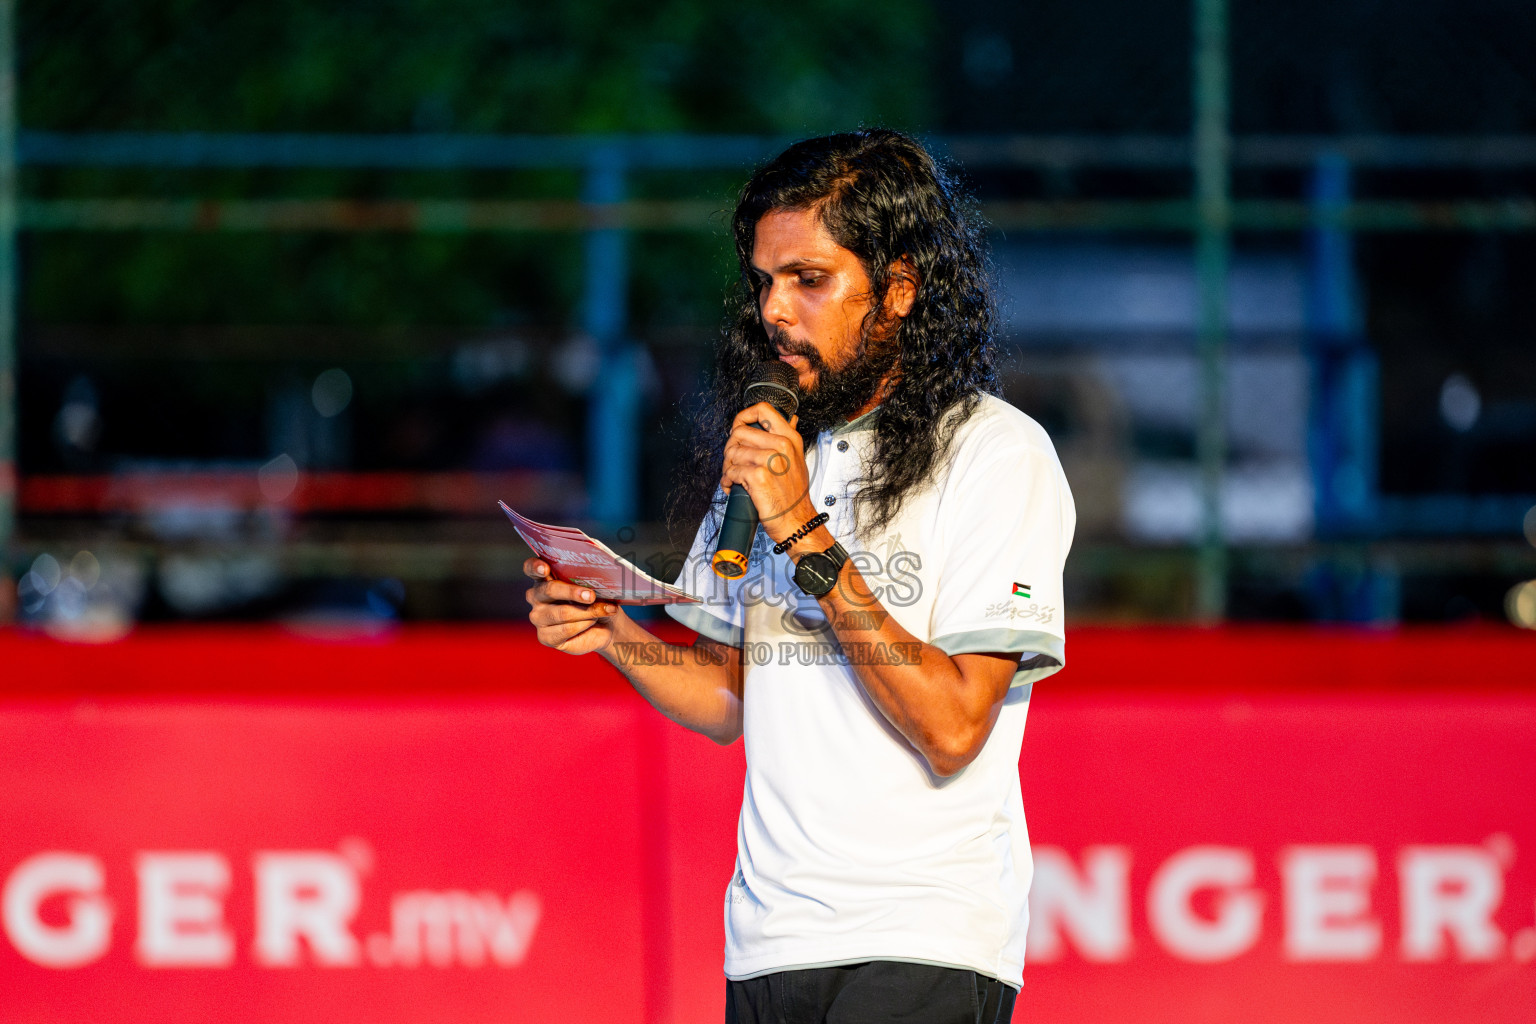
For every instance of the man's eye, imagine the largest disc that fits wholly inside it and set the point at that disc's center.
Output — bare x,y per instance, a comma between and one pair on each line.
811,280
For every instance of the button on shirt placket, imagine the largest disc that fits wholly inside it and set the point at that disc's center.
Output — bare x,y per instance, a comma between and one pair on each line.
833,486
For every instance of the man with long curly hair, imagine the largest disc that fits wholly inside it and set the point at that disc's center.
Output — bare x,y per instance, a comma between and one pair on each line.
879,656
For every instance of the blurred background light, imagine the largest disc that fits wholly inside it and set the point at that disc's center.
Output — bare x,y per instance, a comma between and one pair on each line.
86,568
46,571
1520,604
332,392
278,478
79,420
1460,404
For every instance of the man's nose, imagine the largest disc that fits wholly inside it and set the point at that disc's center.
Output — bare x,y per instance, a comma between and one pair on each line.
776,308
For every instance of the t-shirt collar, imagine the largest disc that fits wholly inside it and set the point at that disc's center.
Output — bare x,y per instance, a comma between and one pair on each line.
864,422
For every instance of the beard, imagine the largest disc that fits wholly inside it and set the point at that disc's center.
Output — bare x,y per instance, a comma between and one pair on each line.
837,394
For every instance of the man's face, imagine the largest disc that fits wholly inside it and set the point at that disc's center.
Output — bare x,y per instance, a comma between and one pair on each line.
812,293
813,296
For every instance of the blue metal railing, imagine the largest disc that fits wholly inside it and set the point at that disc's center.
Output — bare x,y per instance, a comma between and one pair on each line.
1343,437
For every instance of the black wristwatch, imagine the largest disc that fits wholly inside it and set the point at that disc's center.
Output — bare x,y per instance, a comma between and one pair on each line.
816,572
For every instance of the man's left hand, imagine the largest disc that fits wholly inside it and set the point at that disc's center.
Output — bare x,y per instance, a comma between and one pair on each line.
770,464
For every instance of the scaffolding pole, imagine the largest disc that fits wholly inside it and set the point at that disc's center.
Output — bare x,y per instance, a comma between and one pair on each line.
1213,243
613,399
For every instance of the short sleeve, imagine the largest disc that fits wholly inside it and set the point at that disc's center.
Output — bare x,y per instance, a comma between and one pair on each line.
719,615
1007,524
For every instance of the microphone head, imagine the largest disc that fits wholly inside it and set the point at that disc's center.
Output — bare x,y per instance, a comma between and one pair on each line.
777,385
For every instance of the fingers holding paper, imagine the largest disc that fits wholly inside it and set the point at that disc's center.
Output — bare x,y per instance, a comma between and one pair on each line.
568,617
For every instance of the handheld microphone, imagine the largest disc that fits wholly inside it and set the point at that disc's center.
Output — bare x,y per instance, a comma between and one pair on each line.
776,385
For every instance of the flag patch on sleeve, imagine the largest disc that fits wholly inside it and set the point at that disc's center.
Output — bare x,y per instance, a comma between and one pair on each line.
1021,590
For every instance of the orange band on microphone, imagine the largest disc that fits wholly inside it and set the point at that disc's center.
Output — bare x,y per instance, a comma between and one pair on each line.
730,564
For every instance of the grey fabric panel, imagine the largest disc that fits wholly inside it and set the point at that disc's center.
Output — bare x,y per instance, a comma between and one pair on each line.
1050,652
865,422
700,621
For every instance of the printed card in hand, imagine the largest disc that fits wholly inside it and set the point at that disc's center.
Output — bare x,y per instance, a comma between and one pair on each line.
577,558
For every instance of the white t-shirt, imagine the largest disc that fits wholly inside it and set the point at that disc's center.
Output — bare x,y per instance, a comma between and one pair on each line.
849,848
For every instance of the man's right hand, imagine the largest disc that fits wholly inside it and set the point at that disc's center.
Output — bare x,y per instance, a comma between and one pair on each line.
700,693
568,616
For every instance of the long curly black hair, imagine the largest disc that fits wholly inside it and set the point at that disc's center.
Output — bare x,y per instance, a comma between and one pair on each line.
880,195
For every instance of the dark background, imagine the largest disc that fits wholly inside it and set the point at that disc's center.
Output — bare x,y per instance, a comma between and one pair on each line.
180,351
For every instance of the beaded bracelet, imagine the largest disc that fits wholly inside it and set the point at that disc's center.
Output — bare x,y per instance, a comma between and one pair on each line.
804,531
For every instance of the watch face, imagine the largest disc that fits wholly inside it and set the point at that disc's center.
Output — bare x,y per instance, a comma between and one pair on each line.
816,574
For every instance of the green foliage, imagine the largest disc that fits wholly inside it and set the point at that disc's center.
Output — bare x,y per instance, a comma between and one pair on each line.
471,65
474,66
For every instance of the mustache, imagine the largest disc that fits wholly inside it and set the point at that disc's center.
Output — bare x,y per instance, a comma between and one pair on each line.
788,346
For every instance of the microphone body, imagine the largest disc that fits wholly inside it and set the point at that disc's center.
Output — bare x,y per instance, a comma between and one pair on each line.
776,385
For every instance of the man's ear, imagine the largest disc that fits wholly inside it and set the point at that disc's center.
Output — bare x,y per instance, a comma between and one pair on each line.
902,292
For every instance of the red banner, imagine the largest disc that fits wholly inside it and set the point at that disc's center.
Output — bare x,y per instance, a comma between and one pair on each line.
458,825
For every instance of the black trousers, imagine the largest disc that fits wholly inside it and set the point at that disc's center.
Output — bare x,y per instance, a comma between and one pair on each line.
880,990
